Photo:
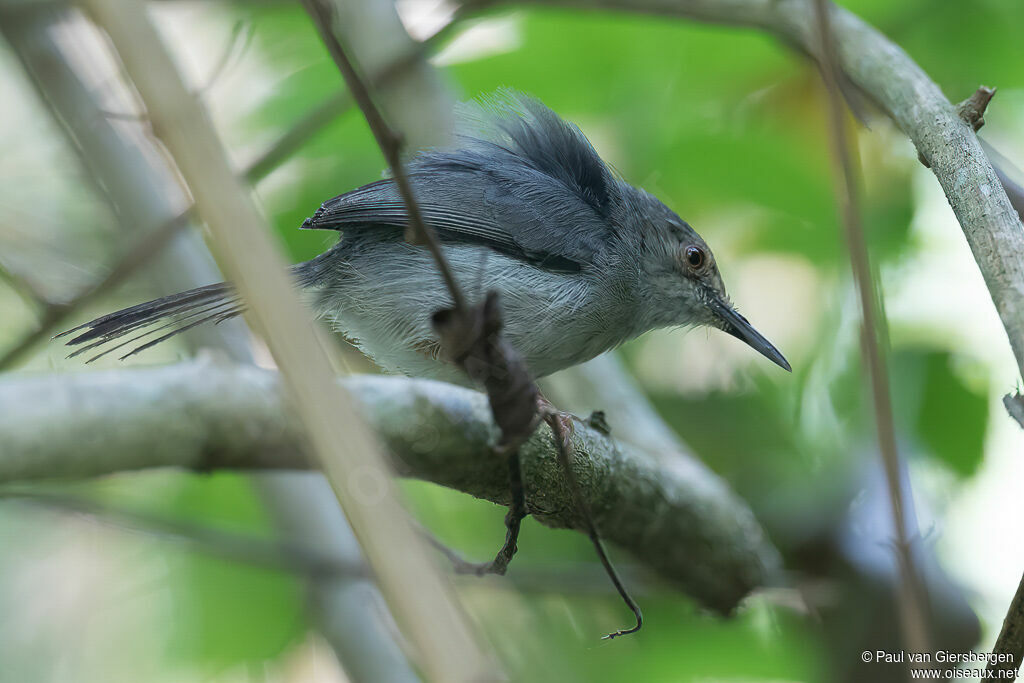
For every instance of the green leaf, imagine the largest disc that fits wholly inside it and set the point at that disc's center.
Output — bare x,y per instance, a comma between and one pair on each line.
933,403
953,417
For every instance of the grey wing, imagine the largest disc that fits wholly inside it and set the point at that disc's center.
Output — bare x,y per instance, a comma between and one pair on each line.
517,211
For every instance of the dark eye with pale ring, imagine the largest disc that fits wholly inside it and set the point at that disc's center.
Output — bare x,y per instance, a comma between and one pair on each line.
695,257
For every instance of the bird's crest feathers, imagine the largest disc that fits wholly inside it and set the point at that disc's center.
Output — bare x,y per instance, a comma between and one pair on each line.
524,126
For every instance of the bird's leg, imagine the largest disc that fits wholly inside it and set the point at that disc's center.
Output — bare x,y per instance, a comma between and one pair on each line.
513,518
517,507
562,430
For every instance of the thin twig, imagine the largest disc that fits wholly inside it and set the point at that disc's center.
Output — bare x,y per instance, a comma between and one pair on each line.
563,444
390,143
511,390
340,102
909,595
52,315
282,555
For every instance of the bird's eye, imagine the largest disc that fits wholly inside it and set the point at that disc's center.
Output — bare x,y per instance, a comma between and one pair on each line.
695,257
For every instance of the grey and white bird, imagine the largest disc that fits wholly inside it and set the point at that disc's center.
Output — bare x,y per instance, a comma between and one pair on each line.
524,206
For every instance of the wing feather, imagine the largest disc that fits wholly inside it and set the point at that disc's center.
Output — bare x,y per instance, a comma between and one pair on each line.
531,186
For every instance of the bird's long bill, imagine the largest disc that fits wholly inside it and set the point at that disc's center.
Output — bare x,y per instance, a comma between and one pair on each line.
738,326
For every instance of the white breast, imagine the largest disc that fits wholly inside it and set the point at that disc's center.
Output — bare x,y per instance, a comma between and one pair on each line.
552,319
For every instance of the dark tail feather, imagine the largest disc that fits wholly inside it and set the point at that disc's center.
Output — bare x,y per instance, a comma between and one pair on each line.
175,314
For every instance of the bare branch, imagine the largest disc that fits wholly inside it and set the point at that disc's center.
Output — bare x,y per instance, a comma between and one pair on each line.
418,595
910,593
150,245
390,143
676,516
337,104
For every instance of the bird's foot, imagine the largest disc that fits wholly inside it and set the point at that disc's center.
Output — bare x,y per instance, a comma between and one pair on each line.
559,421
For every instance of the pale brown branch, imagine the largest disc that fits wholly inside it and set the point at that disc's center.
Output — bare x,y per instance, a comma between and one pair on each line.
910,594
148,246
417,594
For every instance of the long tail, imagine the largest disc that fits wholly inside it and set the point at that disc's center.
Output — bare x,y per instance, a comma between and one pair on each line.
166,317
169,315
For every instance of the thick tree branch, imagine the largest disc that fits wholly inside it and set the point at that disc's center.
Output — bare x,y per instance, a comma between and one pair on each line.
945,142
884,72
676,517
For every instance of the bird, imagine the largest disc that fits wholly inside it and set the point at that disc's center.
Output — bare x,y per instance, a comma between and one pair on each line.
523,206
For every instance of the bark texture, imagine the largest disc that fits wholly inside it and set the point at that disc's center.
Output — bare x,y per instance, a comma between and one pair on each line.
674,515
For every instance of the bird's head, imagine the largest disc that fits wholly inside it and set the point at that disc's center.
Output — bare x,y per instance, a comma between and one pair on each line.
680,282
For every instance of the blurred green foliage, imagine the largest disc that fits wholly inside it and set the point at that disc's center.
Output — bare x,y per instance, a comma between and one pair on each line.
239,613
719,123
